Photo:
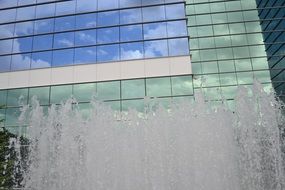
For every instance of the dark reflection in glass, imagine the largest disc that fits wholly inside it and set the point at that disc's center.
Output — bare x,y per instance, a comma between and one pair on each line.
21,45
85,55
26,13
46,10
7,15
175,11
44,26
153,13
155,30
42,42
63,40
86,5
64,23
152,2
6,46
176,28
156,48
108,18
131,33
41,59
20,62
108,4
66,7
130,3
24,28
62,57
131,51
6,31
107,53
130,16
86,21
108,35
178,46
5,63
86,37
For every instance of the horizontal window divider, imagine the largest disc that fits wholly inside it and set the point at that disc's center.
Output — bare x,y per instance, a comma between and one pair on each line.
221,35
194,62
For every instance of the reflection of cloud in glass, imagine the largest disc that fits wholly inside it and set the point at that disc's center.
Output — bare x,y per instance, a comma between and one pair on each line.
156,48
130,16
108,4
131,51
108,53
153,13
85,37
24,28
6,30
43,26
155,30
107,35
20,62
5,46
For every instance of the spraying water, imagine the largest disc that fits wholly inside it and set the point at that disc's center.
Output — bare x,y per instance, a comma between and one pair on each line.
190,146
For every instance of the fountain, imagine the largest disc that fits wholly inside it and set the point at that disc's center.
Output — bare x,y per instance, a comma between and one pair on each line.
190,146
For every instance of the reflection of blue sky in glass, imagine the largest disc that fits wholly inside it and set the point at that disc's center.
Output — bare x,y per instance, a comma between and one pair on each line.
86,21
20,62
5,63
108,35
44,26
41,59
178,46
6,30
108,18
7,15
63,40
24,28
152,2
175,11
64,23
46,10
86,6
131,33
85,55
176,28
25,13
153,13
63,8
22,45
156,48
6,46
62,57
108,53
155,30
130,3
7,3
108,4
86,37
131,51
129,16
42,42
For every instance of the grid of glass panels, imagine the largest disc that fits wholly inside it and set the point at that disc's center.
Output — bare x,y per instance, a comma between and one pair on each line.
272,14
121,95
89,31
227,47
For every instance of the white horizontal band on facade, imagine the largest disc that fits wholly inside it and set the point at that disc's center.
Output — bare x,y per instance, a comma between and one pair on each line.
155,67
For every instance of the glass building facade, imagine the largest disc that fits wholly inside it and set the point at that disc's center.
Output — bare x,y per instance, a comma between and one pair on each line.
272,15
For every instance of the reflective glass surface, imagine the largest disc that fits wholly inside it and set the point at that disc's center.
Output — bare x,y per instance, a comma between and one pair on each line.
63,40
109,18
131,51
42,42
21,62
131,33
108,35
64,23
129,16
107,53
85,55
44,26
41,59
156,48
86,21
62,57
5,63
155,30
41,94
85,37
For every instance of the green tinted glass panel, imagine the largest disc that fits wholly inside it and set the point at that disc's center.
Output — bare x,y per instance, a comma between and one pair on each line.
84,109
84,92
226,66
243,65
222,41
3,96
245,77
256,51
42,95
108,90
211,80
156,87
133,104
133,88
12,115
2,117
229,92
212,93
228,79
114,105
209,67
262,76
259,63
60,93
17,97
182,85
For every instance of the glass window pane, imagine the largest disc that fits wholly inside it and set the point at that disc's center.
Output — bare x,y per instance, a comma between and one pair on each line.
85,37
131,33
107,53
41,59
12,116
44,26
175,11
8,3
6,31
20,62
155,30
108,90
3,96
156,87
176,28
226,66
7,15
84,92
182,85
63,40
59,94
6,46
152,2
86,6
137,105
43,42
243,65
262,76
85,55
5,63
62,57
228,79
41,94
133,88
132,51
86,21
178,46
25,13
129,16
108,4
156,48
24,28
153,13
64,23
64,8
17,97
109,18
245,77
108,35
26,2
21,45
130,3
46,10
